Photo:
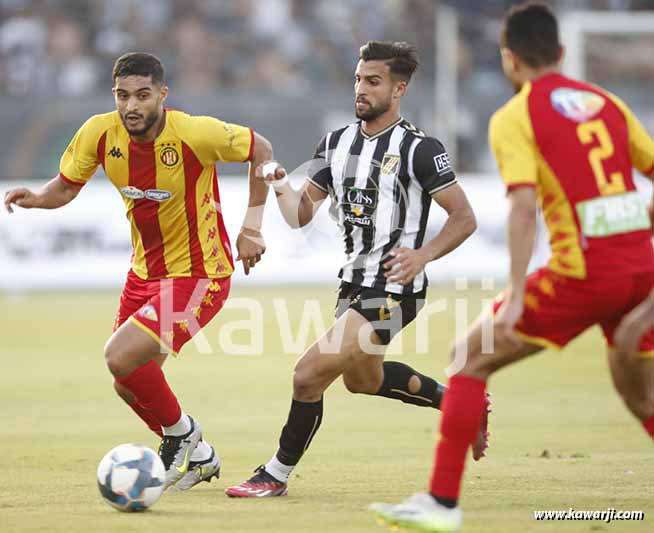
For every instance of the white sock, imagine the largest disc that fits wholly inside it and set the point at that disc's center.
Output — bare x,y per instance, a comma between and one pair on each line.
202,452
181,427
278,470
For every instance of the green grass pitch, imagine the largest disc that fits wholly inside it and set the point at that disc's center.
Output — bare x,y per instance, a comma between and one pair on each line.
560,436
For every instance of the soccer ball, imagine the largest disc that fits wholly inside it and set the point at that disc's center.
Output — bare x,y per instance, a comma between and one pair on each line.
131,477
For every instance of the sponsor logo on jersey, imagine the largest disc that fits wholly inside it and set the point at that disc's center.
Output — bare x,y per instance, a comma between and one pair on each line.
169,156
575,104
358,220
443,165
390,165
359,205
612,215
158,195
132,192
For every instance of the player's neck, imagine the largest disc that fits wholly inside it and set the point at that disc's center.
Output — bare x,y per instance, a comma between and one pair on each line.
153,132
535,73
382,122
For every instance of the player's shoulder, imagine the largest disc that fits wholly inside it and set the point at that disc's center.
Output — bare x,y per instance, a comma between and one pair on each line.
340,131
412,130
611,97
100,123
513,115
513,109
420,140
180,120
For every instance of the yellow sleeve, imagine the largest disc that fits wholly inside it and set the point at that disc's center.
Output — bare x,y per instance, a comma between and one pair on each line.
512,142
80,160
215,140
641,145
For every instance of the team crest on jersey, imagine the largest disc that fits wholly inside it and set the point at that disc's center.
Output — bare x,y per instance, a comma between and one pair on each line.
169,156
575,104
359,205
390,165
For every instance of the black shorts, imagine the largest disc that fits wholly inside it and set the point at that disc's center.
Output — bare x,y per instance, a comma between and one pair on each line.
387,312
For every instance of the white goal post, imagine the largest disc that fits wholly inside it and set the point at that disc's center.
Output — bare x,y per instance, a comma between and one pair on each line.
575,26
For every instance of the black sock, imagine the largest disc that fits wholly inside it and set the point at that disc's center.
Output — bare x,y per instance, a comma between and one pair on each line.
396,386
303,421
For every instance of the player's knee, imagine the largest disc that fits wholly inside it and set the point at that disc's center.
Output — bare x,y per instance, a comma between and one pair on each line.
363,380
640,401
472,364
359,385
116,362
304,383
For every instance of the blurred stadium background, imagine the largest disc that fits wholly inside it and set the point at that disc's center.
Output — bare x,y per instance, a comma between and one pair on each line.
284,67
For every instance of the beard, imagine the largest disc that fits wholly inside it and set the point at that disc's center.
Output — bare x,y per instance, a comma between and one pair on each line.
372,112
149,120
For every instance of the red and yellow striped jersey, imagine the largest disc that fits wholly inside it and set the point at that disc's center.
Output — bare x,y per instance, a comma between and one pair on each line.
577,144
169,187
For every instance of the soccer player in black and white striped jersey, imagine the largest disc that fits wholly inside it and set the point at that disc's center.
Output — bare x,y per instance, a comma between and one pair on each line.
382,175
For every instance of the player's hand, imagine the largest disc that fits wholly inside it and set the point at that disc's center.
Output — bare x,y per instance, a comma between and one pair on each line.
22,197
634,325
405,264
505,320
250,246
265,172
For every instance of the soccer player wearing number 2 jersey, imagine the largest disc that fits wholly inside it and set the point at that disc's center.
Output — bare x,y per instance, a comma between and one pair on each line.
163,163
569,147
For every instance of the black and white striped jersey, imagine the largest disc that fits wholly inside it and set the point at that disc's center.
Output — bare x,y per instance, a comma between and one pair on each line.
380,189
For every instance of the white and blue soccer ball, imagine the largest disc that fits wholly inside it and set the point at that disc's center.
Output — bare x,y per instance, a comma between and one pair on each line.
131,477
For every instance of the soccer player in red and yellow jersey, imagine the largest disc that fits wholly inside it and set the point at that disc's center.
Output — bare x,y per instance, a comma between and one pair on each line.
163,163
568,147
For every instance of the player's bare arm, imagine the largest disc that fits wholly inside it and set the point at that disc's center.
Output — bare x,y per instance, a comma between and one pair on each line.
298,207
56,193
250,243
521,235
406,263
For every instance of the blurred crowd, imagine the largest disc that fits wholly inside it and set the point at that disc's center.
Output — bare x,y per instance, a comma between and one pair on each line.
68,46
300,49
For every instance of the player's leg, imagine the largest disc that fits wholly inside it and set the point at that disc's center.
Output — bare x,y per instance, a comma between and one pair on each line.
178,310
388,314
141,411
320,365
135,295
556,310
631,353
370,374
130,356
633,378
463,409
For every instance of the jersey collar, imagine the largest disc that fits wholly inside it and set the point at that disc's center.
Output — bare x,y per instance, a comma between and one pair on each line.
379,133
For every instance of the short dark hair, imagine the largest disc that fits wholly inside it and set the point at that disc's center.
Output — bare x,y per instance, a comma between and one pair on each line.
138,64
401,57
531,32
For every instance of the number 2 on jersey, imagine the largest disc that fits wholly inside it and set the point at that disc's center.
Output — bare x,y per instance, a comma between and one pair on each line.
587,132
